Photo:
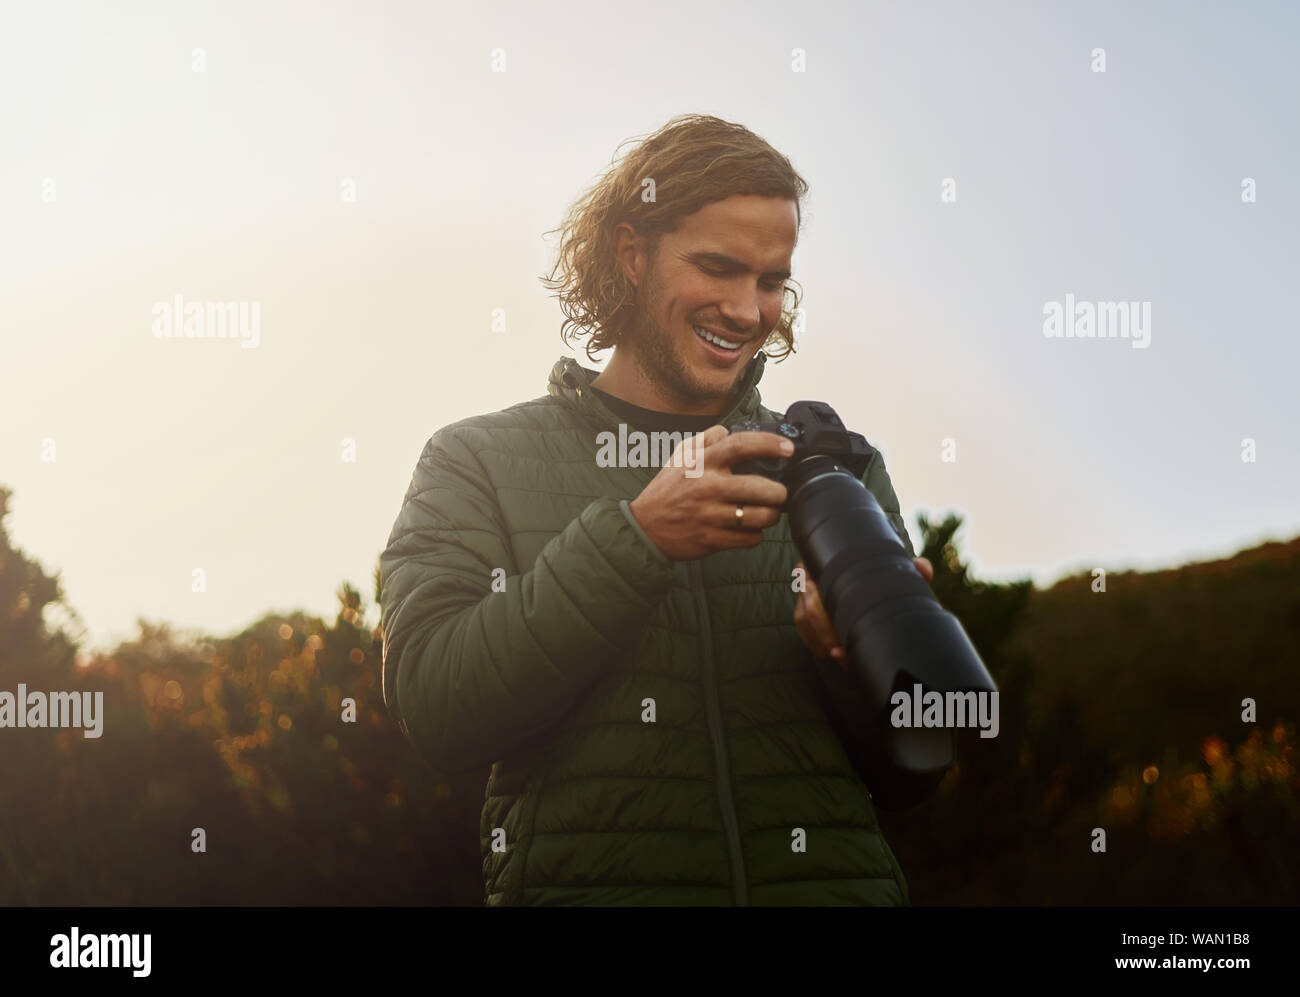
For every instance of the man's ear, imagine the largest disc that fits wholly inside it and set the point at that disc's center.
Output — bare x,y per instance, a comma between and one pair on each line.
629,252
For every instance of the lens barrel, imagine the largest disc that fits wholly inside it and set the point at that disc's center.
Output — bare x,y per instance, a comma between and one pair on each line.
892,627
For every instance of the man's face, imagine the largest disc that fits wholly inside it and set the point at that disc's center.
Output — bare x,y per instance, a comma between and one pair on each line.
723,271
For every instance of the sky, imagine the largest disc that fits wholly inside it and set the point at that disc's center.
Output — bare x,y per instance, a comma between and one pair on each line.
361,174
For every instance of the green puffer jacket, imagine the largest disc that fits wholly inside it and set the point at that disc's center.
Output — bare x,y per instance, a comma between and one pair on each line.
658,733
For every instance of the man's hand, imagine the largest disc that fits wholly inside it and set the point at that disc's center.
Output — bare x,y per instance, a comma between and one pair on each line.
814,625
689,515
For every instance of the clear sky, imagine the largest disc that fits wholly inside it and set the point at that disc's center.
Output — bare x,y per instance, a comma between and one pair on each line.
126,178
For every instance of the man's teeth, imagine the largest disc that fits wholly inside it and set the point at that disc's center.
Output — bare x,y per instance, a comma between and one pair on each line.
715,340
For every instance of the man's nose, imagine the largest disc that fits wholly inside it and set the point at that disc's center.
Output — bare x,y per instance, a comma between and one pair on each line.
741,312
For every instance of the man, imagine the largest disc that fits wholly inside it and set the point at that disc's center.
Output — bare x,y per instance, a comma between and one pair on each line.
665,723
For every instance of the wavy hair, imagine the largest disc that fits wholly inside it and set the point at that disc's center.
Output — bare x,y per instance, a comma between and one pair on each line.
694,159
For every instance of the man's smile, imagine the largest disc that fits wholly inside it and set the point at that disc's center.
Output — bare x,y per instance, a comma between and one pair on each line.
718,347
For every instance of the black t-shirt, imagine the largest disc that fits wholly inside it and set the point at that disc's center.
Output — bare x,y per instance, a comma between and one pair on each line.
649,419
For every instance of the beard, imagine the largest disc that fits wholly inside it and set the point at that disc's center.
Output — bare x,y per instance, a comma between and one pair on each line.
658,356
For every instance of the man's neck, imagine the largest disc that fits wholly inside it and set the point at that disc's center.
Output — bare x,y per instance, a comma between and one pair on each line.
624,378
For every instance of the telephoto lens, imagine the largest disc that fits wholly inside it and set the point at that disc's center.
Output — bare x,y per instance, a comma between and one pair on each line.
896,636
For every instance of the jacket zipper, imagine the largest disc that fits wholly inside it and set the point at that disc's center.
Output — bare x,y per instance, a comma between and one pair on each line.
713,709
717,733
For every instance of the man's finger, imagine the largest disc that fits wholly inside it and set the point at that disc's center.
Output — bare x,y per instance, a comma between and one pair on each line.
745,446
756,516
690,451
820,621
807,634
713,435
750,489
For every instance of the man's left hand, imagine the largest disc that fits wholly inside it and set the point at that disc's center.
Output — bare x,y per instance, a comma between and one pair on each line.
814,625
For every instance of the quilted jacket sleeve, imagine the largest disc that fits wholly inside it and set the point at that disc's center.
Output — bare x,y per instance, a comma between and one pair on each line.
877,481
470,673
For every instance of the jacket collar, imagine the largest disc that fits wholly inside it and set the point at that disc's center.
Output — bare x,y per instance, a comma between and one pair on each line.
570,382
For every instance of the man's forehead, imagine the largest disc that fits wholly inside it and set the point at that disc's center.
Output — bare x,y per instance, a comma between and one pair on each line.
774,216
741,226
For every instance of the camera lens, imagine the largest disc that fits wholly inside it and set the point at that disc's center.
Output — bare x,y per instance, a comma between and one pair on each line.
893,629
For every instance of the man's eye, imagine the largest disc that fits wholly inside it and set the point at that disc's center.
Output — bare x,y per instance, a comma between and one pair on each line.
767,286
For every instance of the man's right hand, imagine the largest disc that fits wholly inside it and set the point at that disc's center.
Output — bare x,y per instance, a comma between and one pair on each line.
689,509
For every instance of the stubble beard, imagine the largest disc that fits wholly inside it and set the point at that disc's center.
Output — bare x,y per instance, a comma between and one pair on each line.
658,359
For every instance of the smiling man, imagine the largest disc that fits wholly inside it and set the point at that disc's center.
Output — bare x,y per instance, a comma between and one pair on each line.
689,345
664,719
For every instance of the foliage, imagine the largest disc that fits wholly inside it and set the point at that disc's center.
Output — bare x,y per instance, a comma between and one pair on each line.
1119,710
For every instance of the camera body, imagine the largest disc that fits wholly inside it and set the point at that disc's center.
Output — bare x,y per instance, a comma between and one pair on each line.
896,636
816,431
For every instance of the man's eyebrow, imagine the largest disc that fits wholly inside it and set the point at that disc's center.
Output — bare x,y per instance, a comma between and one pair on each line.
723,260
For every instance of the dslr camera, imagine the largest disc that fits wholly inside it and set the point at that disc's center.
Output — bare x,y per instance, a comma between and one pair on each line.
895,634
